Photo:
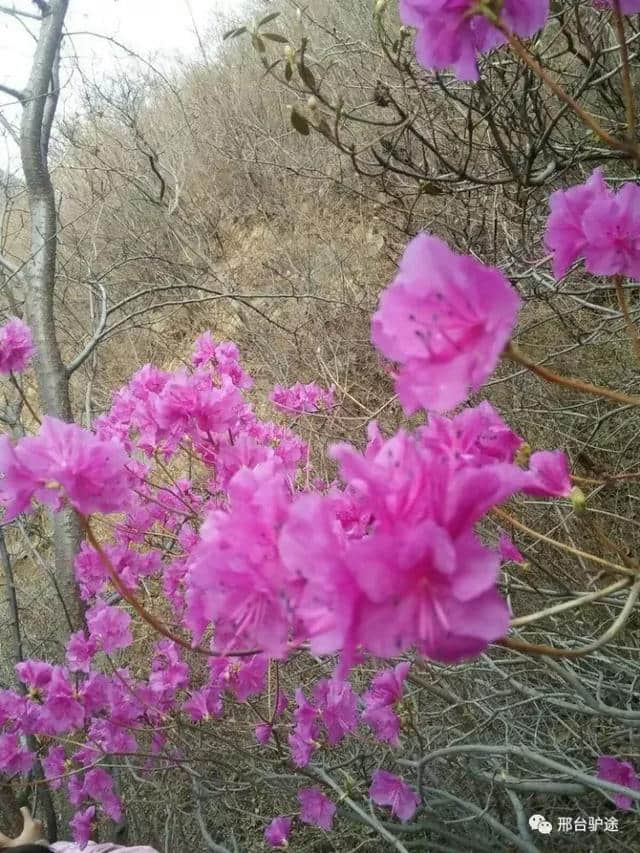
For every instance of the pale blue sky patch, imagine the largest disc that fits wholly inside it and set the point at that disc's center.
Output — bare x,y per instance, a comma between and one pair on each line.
159,30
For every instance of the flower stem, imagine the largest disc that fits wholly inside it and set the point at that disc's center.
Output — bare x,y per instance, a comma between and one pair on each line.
156,623
24,399
561,546
521,51
575,384
627,83
603,639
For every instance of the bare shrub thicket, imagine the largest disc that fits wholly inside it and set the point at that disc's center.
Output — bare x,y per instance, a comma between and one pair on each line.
202,201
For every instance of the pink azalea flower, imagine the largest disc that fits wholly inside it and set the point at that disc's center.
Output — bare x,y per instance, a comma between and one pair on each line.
190,402
451,35
54,766
565,235
612,231
445,320
14,757
420,576
302,747
34,673
337,703
109,627
389,790
80,652
593,222
204,704
622,773
250,677
169,673
82,825
316,808
61,711
476,436
16,346
223,357
263,732
98,785
387,686
278,831
508,551
385,691
384,722
303,740
10,706
90,472
548,475
236,578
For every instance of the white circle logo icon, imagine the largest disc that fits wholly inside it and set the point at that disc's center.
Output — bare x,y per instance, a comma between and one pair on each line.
540,824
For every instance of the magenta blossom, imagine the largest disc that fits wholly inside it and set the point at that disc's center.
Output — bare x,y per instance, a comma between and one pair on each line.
80,652
82,825
420,576
389,790
476,436
278,831
109,627
593,222
337,704
445,320
63,459
54,766
451,33
16,346
379,701
316,808
508,551
263,732
14,757
622,773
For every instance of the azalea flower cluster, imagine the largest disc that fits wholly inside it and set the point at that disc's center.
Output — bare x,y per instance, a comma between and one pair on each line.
264,557
258,558
318,810
302,398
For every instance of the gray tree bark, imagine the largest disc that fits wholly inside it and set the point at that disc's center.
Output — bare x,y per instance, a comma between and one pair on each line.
39,101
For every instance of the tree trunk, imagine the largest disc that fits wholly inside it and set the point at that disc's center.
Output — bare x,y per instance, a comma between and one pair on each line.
39,106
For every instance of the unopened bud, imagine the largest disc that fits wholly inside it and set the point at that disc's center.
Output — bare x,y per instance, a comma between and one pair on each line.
380,6
312,103
578,500
288,51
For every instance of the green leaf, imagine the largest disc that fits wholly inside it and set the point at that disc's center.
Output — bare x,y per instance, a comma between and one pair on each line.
258,44
231,34
299,122
269,68
275,37
307,77
271,17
